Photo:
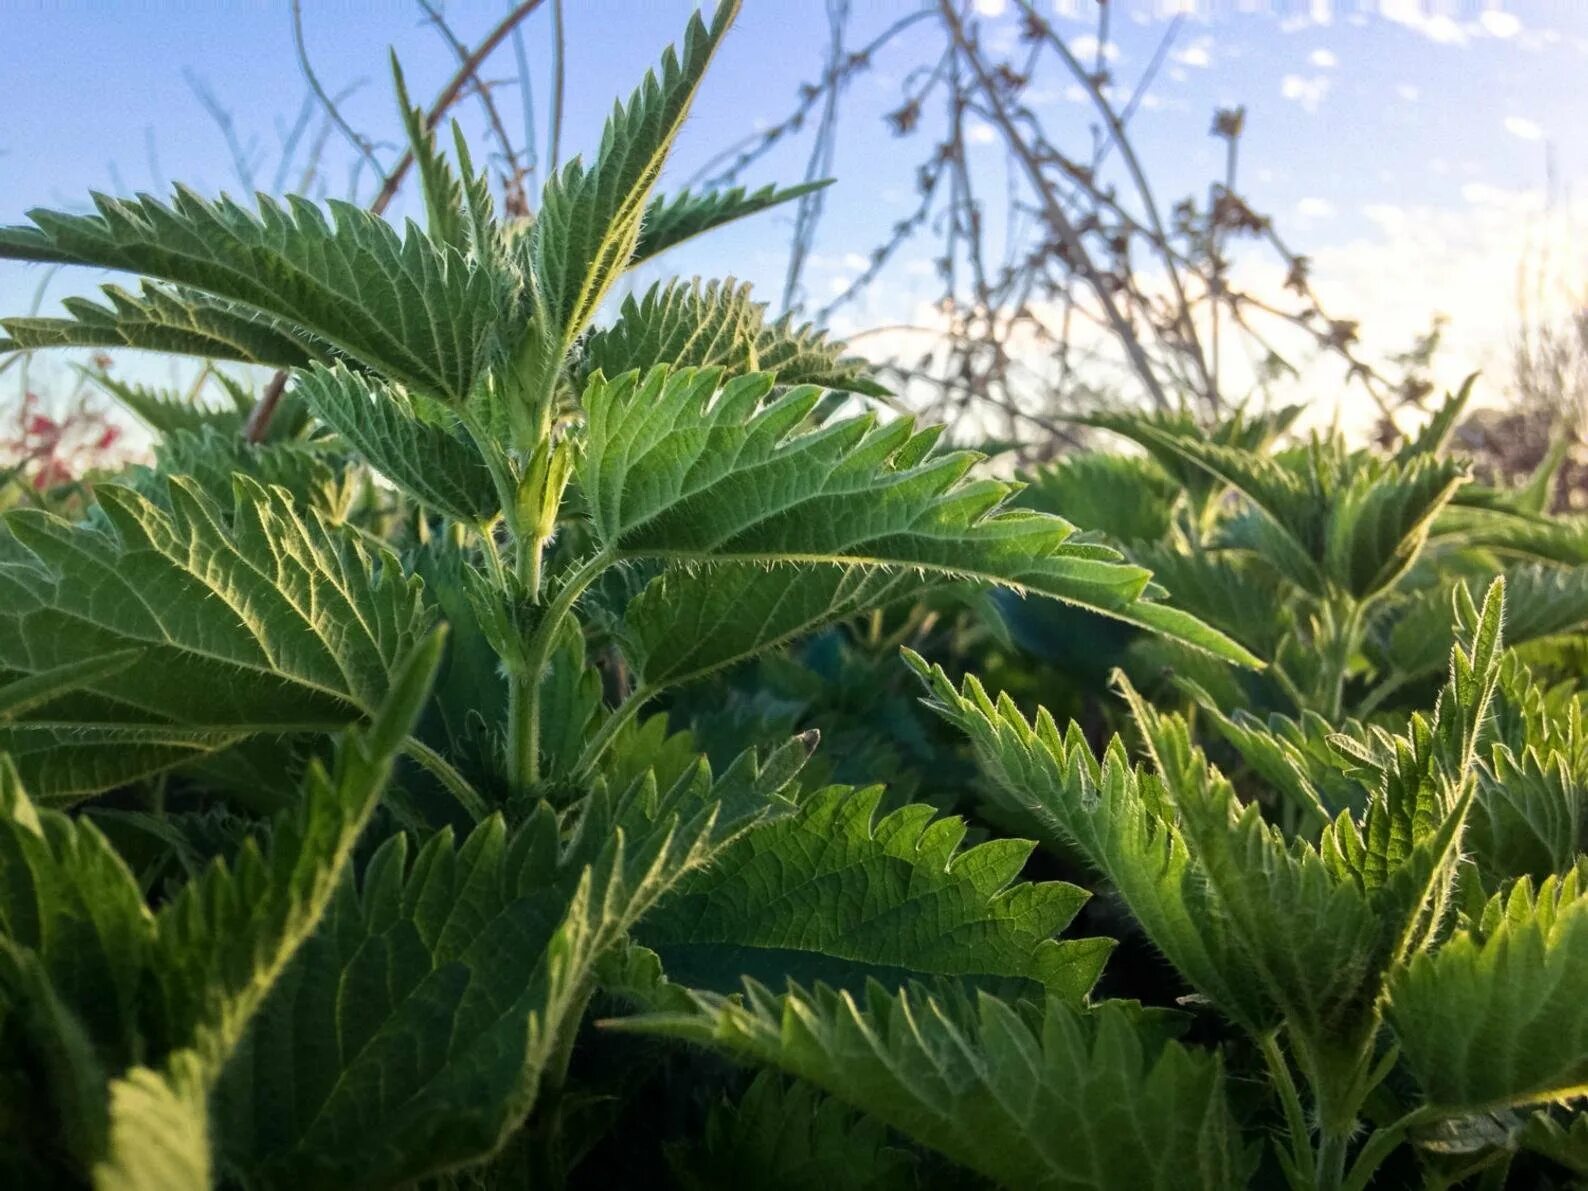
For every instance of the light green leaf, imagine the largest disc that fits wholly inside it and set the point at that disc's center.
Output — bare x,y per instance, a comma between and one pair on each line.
414,443
71,901
421,315
445,215
676,470
1040,1100
166,412
159,1130
1127,497
670,220
801,354
315,478
833,895
1121,822
1414,635
588,225
1519,973
1380,520
685,324
261,621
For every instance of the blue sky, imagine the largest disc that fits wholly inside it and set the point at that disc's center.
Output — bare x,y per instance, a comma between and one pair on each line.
1401,143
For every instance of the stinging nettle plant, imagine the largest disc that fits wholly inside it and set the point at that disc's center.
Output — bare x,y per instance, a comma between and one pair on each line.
333,822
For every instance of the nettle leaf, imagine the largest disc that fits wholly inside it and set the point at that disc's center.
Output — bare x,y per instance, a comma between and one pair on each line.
446,220
1120,821
1414,636
165,318
1038,1099
670,220
166,412
413,1032
1231,590
588,225
1381,519
420,314
1291,756
784,1135
1435,433
683,324
1159,431
1324,516
70,900
801,354
1269,929
833,895
260,620
314,477
1127,497
1563,1141
1519,973
690,622
414,443
173,989
681,467
1561,540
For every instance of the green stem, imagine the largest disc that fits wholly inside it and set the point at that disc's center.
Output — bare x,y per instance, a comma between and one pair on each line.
1330,1168
524,693
1346,623
621,715
457,785
1378,1147
1384,690
1295,1118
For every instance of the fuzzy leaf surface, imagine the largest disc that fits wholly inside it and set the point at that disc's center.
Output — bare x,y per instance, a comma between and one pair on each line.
834,895
420,314
1040,1099
678,471
261,621
428,458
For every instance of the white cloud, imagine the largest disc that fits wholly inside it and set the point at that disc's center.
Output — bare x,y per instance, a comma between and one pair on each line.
982,134
1315,208
1085,48
1198,53
1415,15
1324,59
1500,24
1523,128
1410,92
1309,93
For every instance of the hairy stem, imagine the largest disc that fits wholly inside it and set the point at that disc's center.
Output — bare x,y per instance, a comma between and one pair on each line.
1295,1117
621,715
523,755
443,771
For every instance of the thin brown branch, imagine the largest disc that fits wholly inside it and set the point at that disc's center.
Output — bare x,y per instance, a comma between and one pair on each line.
450,93
1055,213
